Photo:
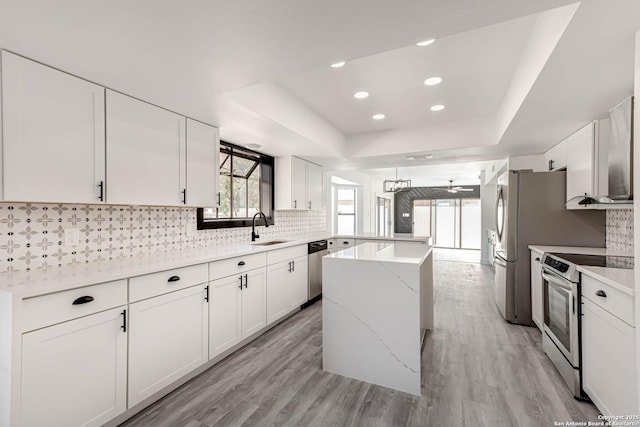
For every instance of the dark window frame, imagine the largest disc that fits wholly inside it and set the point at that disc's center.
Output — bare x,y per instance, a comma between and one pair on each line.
267,190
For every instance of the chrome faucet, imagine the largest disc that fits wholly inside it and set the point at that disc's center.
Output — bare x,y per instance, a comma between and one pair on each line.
255,235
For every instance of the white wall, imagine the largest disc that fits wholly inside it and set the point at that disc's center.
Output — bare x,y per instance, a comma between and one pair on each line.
487,214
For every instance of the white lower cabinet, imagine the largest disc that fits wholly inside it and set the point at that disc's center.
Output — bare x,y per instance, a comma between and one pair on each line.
537,309
167,340
237,309
608,361
286,287
75,373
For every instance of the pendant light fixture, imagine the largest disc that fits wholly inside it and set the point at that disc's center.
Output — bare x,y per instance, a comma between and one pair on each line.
396,185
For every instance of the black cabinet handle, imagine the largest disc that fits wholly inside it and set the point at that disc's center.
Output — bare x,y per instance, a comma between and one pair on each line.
293,266
537,259
173,279
309,205
184,196
602,294
124,321
240,282
345,243
295,204
206,293
82,300
246,280
101,196
218,198
241,263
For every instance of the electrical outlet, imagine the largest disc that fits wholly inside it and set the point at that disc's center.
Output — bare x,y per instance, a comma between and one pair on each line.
71,236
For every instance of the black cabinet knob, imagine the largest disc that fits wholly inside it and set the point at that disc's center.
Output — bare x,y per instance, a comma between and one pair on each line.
240,263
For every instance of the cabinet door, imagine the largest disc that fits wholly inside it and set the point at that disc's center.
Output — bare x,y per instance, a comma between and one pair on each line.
279,301
580,163
536,290
203,157
254,310
608,361
298,283
75,373
224,314
298,183
557,154
53,134
145,153
167,340
314,186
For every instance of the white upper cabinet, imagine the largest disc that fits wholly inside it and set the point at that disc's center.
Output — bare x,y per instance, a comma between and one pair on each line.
556,157
298,184
587,161
146,153
53,128
203,158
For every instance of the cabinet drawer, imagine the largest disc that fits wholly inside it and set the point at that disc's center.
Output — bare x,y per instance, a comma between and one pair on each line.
345,243
163,282
228,267
286,254
616,302
46,310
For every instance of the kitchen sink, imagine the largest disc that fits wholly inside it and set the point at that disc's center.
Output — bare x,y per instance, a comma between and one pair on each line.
270,242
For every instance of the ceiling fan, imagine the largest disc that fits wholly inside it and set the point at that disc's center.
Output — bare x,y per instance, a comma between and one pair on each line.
452,189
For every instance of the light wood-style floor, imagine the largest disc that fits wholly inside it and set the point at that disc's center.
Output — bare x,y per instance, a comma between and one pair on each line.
478,370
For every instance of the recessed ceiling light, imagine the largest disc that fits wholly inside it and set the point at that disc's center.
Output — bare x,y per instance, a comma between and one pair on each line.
426,157
253,146
438,107
425,43
432,81
378,116
361,95
338,64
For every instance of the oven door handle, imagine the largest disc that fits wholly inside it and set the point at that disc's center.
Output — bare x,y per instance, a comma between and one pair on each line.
556,280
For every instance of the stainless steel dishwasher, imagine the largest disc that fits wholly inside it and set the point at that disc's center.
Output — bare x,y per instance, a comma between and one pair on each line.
317,250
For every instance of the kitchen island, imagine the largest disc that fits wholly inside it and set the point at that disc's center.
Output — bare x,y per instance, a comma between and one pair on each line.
377,306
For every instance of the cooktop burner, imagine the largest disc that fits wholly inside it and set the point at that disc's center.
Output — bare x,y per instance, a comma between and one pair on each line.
598,260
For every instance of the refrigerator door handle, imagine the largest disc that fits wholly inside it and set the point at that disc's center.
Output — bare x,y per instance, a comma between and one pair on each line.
500,261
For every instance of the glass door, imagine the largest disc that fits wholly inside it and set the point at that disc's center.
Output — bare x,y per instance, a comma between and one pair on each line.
383,212
345,203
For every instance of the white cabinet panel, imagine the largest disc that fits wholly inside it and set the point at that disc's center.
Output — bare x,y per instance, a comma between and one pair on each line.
53,134
75,373
537,309
146,153
167,340
581,163
254,308
225,305
608,361
298,184
557,155
298,282
314,186
237,309
203,157
278,298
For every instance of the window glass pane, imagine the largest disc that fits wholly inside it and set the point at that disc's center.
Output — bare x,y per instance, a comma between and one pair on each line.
224,211
470,224
347,224
346,201
209,213
239,197
225,164
253,189
242,166
422,218
445,223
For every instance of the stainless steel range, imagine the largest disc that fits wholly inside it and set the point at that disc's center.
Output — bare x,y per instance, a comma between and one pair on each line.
562,311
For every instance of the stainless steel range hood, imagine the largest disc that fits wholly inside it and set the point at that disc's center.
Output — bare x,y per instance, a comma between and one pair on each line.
620,154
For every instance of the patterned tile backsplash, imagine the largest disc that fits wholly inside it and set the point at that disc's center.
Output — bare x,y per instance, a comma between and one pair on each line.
32,235
620,231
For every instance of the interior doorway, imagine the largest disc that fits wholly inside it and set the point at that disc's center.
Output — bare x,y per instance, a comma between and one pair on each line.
452,223
383,212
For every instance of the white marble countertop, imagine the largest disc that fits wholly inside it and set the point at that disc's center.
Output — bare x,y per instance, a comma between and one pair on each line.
570,250
28,284
618,278
372,236
399,252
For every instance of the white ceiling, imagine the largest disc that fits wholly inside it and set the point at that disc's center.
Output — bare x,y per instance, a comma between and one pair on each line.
464,173
259,70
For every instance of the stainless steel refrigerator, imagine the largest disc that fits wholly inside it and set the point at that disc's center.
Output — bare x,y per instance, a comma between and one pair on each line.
530,209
